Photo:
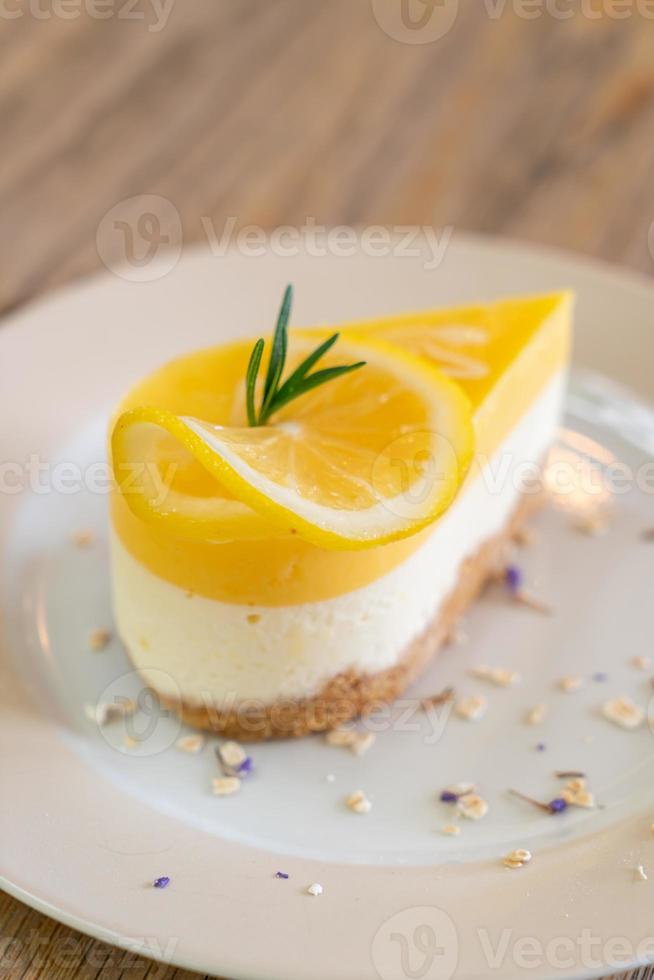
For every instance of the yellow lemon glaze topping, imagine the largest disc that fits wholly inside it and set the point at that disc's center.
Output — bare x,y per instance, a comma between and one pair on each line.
369,459
206,517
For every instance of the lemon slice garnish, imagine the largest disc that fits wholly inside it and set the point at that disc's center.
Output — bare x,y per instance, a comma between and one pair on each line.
369,458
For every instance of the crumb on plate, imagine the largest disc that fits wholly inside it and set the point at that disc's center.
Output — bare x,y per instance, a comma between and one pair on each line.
192,744
570,683
536,715
225,785
472,708
472,806
623,712
99,639
349,738
500,676
517,858
358,802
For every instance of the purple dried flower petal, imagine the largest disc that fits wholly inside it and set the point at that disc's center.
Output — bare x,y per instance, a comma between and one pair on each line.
600,677
281,874
514,578
162,882
245,767
541,747
554,806
447,796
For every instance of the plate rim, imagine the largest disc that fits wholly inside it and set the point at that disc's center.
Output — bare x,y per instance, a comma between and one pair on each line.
33,316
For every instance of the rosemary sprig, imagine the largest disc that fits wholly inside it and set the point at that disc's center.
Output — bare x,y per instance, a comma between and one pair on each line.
275,392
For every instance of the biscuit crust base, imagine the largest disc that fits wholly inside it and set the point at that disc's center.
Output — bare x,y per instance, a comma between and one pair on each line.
350,693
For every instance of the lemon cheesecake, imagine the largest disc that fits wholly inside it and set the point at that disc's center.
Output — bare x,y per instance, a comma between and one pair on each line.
289,549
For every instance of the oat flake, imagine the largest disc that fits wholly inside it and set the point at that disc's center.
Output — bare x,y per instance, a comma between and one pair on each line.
190,743
623,712
232,754
517,858
225,785
536,715
451,829
472,806
358,802
570,683
500,676
472,709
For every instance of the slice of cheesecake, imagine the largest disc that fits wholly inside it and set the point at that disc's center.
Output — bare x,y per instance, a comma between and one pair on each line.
254,617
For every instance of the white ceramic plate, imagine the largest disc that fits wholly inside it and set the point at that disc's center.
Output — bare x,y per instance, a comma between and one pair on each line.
86,824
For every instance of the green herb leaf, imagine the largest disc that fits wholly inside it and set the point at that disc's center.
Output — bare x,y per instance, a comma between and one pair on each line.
278,352
251,379
306,365
313,381
276,394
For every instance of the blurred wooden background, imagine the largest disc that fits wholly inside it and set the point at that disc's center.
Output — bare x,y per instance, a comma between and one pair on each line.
538,128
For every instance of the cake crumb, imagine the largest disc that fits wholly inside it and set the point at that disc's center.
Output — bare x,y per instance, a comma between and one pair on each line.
348,738
451,829
517,858
105,712
525,598
330,777
192,744
232,754
623,712
99,639
225,785
341,738
363,743
641,874
234,760
641,663
315,889
575,794
472,708
536,715
358,802
570,683
500,676
457,637
472,806
83,539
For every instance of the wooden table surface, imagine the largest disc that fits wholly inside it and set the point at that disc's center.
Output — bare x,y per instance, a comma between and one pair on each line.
269,113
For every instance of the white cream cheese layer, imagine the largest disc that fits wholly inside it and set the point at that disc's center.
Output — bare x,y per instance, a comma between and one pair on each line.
214,651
